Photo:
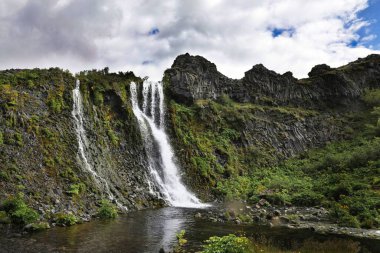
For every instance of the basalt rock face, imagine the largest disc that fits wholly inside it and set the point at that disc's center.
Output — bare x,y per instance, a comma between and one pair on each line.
272,116
193,77
39,146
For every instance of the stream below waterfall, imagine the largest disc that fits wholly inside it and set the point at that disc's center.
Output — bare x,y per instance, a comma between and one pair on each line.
150,230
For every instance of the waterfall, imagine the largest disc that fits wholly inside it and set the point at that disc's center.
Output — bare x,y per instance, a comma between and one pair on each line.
160,154
77,114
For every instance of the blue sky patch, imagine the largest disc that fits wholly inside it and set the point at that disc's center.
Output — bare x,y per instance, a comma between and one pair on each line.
372,15
280,31
154,31
147,62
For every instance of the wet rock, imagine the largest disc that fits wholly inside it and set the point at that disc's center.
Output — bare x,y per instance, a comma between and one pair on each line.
198,215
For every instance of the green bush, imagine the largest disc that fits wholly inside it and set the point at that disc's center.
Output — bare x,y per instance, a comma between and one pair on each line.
107,210
228,244
1,138
307,199
372,97
65,219
18,211
76,189
342,216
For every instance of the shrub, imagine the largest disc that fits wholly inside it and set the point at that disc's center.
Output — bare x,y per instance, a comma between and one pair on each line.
1,138
228,244
307,199
107,210
18,211
76,189
65,219
372,97
343,217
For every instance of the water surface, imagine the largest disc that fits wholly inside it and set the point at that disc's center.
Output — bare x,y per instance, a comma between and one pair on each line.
150,230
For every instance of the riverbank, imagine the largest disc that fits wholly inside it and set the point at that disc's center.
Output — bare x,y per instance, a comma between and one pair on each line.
315,219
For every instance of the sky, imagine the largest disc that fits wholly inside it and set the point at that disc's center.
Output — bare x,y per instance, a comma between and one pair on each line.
145,36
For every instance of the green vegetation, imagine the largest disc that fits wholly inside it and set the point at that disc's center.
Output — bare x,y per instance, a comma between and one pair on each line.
77,189
17,210
65,219
343,176
228,244
181,242
107,210
37,226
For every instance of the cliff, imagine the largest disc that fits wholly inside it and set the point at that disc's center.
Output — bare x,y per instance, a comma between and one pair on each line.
231,137
193,77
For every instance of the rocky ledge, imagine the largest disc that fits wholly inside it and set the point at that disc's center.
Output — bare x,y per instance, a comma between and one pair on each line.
194,77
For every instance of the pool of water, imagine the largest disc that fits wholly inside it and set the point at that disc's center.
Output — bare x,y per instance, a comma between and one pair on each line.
151,230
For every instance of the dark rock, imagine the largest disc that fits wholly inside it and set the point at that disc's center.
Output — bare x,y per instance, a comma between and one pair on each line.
319,69
193,77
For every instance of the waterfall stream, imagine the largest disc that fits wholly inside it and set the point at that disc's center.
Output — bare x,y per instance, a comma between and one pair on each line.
83,145
160,154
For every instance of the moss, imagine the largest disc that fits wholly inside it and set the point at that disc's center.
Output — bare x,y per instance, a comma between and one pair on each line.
18,139
4,219
4,176
113,137
77,189
38,226
65,219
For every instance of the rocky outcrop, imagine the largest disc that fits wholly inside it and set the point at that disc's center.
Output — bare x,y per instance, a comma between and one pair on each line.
193,77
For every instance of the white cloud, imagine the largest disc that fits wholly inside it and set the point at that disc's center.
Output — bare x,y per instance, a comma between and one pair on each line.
85,34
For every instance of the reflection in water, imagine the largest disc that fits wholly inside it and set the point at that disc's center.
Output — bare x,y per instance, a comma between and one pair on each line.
150,230
171,226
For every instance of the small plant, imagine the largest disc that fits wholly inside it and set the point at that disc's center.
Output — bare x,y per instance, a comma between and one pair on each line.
107,210
65,219
181,241
76,189
18,139
4,176
4,219
228,244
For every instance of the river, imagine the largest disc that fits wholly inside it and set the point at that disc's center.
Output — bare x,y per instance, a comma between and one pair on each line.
150,230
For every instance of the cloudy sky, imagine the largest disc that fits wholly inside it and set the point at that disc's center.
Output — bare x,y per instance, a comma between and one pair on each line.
145,36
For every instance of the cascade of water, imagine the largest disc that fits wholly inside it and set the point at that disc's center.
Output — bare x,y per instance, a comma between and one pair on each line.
77,114
160,154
